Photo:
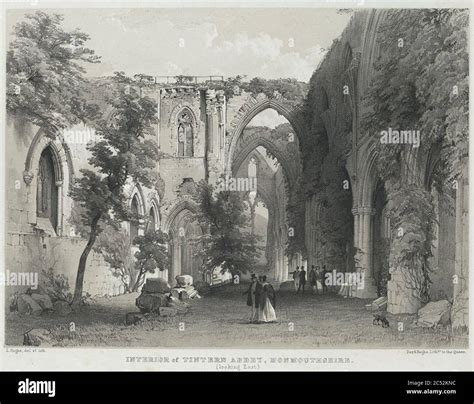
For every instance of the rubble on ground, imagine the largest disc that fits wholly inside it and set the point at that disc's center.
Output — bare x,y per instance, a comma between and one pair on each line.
434,313
158,297
379,304
35,302
37,337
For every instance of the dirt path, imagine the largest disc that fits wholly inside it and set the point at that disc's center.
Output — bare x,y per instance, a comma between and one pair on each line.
220,320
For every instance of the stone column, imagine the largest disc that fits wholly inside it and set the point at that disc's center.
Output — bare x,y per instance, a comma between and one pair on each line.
59,229
363,241
221,127
460,310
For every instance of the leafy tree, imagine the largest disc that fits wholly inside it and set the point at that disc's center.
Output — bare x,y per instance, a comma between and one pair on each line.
115,246
45,80
225,244
123,153
152,254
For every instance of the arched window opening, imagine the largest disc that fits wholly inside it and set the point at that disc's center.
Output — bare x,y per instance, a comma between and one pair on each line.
47,192
151,226
134,222
185,135
252,168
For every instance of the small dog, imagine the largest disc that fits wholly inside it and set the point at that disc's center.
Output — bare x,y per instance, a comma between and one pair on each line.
380,319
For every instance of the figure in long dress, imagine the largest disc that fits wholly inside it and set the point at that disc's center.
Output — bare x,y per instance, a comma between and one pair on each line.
267,303
252,299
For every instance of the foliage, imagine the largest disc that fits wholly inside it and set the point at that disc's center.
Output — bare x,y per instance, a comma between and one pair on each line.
295,213
152,254
229,85
335,217
45,70
124,152
290,89
382,251
422,85
56,286
225,244
115,247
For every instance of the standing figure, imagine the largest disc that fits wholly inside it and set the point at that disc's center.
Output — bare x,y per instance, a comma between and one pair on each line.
267,302
302,280
325,286
296,278
313,280
251,298
319,279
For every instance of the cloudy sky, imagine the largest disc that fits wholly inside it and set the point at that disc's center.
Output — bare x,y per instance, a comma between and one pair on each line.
269,43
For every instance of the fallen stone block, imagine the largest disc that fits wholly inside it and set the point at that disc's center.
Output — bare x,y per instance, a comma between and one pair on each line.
168,311
133,318
37,337
156,285
378,304
26,305
150,303
184,280
434,313
43,300
62,308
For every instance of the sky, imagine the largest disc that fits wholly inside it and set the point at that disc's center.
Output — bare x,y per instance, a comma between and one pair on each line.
267,43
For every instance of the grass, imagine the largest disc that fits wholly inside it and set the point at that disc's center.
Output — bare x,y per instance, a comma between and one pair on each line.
219,320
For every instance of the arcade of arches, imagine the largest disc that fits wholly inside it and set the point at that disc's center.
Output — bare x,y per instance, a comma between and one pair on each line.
325,200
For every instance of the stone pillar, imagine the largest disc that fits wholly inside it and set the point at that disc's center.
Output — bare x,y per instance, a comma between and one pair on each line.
363,241
460,310
59,228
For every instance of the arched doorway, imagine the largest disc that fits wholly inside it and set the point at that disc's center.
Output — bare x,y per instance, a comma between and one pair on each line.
381,234
47,191
185,233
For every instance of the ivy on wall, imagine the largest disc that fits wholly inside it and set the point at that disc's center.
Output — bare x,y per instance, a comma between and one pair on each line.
420,83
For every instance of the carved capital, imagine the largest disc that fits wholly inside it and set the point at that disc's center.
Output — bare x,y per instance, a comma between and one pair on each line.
363,210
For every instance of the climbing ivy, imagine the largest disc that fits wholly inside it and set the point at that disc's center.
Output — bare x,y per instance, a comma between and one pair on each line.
420,83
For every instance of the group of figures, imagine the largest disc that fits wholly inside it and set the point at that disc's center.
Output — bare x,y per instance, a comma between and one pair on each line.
316,279
261,298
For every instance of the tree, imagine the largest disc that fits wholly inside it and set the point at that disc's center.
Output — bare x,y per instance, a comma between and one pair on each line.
225,244
45,80
124,152
115,246
152,254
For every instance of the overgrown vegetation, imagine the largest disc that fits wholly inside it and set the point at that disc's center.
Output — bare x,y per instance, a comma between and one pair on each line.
45,81
225,244
420,83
